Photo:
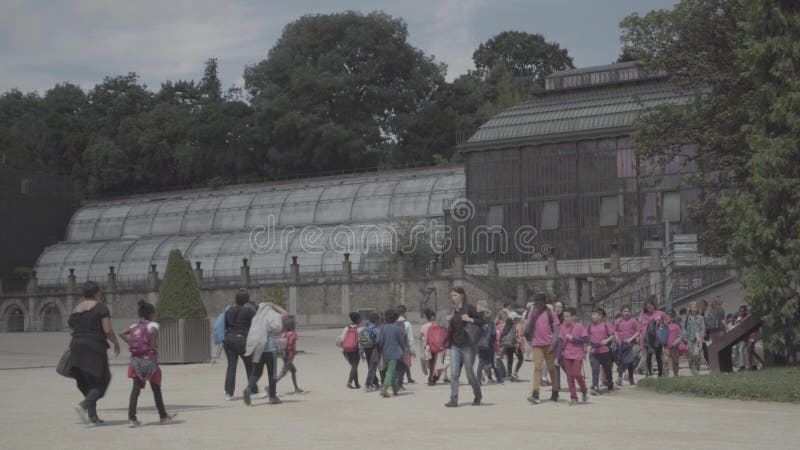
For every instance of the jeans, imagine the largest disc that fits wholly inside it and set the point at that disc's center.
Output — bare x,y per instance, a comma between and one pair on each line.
352,358
234,349
486,359
268,359
604,361
463,356
372,367
134,399
510,352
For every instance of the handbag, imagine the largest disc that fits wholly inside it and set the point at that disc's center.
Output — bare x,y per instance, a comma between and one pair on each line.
64,368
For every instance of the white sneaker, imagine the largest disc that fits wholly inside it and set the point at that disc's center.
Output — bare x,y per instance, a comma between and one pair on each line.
261,395
229,398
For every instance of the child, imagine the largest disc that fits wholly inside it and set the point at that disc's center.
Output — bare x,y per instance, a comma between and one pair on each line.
574,337
600,336
429,355
393,344
672,343
626,333
348,341
287,347
367,347
141,338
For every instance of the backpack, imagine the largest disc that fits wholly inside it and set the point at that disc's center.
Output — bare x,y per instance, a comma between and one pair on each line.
350,341
366,337
532,323
435,338
651,334
663,335
139,339
219,327
483,342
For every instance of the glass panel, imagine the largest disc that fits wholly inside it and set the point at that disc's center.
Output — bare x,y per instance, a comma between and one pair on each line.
181,243
169,217
200,215
137,260
411,198
110,255
81,259
550,215
373,201
265,205
81,227
448,187
232,213
609,211
232,251
139,219
300,206
111,223
495,216
672,206
335,204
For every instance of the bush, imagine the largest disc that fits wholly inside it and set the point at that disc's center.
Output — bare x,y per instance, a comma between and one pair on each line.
179,297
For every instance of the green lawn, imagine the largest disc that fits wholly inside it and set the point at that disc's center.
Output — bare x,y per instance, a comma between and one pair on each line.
776,384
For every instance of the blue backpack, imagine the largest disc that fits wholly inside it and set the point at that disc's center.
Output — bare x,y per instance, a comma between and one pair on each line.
219,327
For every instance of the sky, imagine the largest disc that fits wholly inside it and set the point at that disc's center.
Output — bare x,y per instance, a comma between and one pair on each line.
44,42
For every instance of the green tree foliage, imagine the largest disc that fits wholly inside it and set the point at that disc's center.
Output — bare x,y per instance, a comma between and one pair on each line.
739,59
339,90
179,296
523,55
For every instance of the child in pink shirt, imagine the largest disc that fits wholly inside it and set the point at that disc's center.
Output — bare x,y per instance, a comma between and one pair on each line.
600,337
672,346
575,338
626,330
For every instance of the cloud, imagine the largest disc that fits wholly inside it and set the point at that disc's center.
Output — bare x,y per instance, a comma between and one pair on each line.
45,42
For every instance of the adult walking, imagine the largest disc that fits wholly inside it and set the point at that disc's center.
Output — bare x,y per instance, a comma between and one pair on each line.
542,331
237,325
466,324
90,327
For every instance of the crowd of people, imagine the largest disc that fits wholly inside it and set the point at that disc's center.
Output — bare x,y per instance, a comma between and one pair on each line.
546,333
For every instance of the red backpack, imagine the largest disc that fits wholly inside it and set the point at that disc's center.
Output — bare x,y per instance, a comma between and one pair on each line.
350,341
435,338
139,339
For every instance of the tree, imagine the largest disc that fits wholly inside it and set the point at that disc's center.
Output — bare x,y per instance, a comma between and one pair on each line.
738,59
337,89
523,54
179,296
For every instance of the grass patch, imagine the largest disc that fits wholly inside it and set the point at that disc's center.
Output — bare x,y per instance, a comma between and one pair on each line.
775,384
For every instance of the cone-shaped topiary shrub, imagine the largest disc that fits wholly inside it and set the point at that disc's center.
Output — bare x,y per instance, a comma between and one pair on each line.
179,297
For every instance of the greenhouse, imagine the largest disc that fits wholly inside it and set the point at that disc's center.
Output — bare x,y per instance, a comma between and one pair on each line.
317,220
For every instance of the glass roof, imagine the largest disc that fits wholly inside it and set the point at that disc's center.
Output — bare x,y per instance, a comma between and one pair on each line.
317,220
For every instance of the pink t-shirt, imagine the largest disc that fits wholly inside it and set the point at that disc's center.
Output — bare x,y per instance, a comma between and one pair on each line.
543,331
572,350
423,330
600,332
646,318
625,329
674,332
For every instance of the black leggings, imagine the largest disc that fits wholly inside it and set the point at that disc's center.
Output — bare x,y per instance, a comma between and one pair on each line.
659,360
138,385
510,352
353,359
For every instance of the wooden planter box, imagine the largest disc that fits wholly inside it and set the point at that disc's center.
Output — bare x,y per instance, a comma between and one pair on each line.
183,341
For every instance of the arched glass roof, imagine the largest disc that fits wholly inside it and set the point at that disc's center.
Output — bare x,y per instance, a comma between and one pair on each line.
316,220
375,197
